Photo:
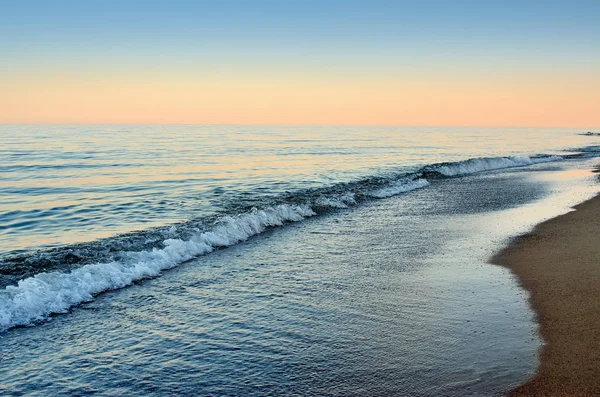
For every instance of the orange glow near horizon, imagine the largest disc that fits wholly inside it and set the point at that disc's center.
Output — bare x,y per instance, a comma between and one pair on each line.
555,101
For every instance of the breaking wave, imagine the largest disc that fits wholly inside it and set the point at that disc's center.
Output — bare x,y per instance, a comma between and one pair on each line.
584,152
487,164
399,187
34,298
53,281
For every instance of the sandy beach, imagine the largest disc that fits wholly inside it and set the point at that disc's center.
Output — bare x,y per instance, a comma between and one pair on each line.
559,264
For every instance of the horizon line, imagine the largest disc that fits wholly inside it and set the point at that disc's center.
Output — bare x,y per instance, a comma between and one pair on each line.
302,125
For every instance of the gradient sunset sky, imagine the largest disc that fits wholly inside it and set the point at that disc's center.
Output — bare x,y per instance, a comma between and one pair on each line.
506,63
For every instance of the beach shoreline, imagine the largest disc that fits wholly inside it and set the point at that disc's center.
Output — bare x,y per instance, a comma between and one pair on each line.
558,263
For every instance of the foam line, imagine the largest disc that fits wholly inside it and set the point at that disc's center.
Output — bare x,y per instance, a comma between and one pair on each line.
398,188
35,298
472,166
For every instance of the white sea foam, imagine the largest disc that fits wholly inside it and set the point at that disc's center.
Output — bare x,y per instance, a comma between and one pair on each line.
34,298
488,164
398,188
342,201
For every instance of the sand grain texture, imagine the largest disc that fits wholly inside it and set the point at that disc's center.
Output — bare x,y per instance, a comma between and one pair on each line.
559,263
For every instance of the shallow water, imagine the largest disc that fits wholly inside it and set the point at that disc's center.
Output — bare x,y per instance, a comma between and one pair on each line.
389,296
67,184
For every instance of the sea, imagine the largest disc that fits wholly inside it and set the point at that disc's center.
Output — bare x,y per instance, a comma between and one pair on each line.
273,260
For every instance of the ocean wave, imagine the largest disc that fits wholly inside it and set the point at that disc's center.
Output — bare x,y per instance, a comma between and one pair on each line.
53,281
398,188
34,298
472,166
342,201
584,152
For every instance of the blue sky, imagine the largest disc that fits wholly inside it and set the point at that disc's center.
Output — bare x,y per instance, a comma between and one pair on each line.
299,31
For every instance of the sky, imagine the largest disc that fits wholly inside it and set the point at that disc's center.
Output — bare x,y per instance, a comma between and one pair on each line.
372,62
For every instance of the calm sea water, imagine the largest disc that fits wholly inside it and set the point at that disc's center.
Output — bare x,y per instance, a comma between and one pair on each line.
355,260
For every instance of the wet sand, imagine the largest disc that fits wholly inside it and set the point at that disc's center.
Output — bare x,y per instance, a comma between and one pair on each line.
559,264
